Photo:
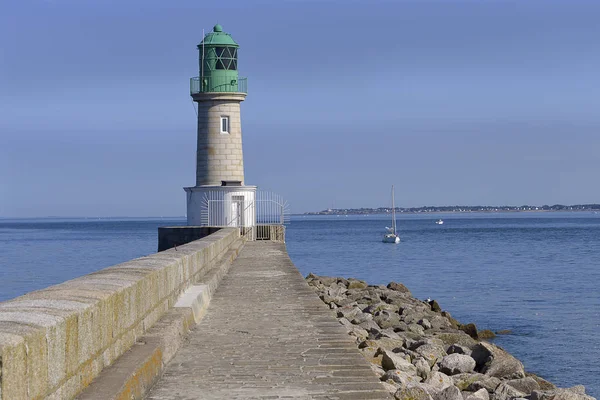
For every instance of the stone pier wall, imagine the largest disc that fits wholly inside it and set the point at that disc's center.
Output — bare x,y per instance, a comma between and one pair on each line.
55,341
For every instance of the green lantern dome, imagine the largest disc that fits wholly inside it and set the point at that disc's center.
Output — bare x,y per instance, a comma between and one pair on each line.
218,64
218,38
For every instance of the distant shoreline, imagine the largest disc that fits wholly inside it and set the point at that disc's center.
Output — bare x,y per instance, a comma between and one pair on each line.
458,210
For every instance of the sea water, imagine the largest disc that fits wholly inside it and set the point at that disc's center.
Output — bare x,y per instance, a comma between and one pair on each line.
536,274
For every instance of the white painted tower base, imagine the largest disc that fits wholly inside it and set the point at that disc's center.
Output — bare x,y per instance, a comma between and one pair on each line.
221,206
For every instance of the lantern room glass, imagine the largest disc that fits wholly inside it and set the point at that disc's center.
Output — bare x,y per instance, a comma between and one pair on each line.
226,58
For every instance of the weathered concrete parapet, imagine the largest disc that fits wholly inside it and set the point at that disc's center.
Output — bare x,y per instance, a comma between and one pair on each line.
54,342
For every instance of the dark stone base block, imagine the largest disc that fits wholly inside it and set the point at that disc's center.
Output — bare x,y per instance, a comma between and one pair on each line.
172,236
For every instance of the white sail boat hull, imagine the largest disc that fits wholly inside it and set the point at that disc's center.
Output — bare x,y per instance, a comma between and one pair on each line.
392,236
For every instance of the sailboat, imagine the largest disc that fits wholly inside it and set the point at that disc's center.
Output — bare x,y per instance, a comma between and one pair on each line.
392,236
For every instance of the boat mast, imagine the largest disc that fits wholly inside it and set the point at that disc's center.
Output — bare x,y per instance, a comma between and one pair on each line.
393,212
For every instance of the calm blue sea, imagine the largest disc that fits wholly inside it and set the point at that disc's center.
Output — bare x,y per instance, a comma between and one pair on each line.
537,274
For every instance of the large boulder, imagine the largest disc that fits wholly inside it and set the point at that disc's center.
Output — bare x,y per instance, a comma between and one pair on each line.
416,328
470,329
389,344
379,306
574,393
398,287
432,353
435,307
457,364
325,280
449,393
458,349
369,294
464,380
413,392
409,337
389,333
425,323
356,284
367,301
371,354
361,317
486,334
338,290
507,392
391,387
401,327
426,340
481,394
412,305
454,323
423,368
544,384
489,383
358,332
440,322
371,327
401,377
330,300
456,337
439,381
386,319
408,354
399,298
346,301
413,317
579,389
348,312
392,360
525,385
493,361
342,281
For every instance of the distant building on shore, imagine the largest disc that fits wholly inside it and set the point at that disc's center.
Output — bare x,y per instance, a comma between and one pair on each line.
459,209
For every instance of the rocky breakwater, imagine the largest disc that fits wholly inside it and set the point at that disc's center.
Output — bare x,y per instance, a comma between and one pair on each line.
421,353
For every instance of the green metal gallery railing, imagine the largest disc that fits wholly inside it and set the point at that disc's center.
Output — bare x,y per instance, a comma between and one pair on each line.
210,84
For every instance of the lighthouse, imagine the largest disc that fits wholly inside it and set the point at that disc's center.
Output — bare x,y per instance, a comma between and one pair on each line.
220,196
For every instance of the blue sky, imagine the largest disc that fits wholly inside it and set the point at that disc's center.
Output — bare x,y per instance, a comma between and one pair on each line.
454,102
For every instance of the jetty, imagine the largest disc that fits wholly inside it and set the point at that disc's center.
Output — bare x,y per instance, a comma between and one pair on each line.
220,317
267,335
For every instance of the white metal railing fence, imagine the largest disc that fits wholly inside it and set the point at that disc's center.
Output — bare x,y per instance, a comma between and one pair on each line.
271,209
244,211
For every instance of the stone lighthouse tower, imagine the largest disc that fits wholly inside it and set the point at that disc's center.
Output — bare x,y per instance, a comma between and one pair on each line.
220,197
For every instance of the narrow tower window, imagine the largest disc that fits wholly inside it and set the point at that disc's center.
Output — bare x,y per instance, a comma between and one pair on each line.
224,124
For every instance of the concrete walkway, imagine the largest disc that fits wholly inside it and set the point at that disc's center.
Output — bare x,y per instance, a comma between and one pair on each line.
267,335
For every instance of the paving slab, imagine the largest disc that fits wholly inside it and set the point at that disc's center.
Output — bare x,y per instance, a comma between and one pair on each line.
266,335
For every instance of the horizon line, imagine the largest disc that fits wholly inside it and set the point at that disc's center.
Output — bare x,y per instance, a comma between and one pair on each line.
597,205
